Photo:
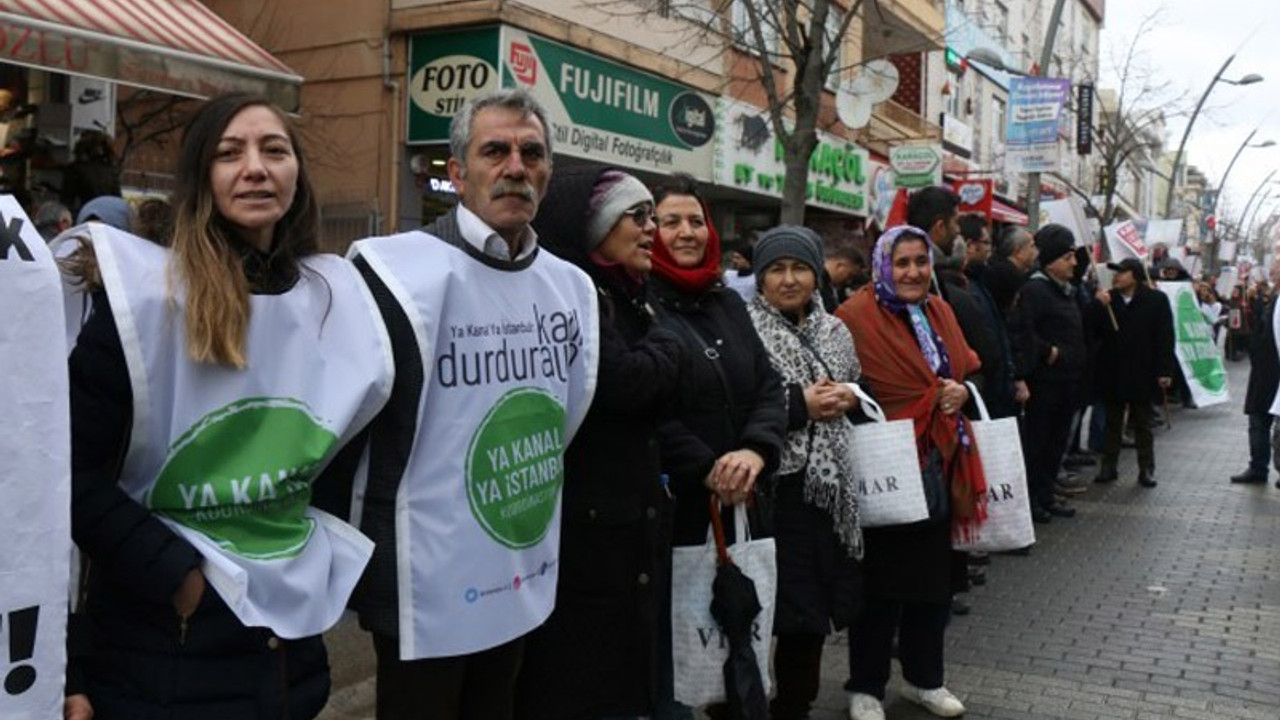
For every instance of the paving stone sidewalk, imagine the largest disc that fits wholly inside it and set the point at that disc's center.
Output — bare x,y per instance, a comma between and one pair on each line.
1149,604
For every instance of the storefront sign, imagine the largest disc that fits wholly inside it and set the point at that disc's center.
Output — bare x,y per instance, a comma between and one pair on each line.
1031,128
916,166
1084,119
976,196
750,158
445,71
598,109
612,113
957,137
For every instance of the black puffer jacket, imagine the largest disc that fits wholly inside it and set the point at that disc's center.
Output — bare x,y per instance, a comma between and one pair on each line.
141,666
1045,317
597,654
751,415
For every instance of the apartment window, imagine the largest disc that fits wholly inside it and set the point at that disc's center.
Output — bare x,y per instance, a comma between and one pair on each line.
953,98
741,26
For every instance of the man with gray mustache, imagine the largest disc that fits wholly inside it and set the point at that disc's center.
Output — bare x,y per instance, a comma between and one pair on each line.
495,347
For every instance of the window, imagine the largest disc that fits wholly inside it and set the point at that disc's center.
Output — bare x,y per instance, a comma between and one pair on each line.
954,102
740,24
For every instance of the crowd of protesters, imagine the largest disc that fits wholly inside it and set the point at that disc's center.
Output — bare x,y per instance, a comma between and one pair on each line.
583,312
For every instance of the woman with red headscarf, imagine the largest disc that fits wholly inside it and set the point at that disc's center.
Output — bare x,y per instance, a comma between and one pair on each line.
728,433
916,360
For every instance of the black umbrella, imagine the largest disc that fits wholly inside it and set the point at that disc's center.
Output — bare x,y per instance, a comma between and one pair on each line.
735,605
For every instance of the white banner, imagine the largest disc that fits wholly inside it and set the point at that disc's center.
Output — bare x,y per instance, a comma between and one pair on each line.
1068,212
1199,356
1124,240
35,473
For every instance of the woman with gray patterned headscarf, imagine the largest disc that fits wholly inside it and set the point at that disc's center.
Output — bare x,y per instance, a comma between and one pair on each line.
815,509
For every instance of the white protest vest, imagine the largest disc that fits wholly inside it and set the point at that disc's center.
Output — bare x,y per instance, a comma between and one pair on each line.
226,457
35,473
510,358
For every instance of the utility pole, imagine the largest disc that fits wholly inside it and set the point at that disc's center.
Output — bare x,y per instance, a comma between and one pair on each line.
1046,57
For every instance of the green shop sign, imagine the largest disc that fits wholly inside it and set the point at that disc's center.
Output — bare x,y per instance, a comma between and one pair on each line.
446,70
750,158
599,109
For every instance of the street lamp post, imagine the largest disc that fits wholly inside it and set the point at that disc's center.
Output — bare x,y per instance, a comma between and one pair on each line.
1239,231
1249,79
1249,223
1213,209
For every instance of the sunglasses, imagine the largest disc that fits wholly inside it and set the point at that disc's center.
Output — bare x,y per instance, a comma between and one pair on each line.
641,215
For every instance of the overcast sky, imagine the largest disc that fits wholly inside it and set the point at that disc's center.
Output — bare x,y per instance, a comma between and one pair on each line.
1192,40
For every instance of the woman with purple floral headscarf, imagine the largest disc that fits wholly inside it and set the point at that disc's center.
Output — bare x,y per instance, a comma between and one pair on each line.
916,360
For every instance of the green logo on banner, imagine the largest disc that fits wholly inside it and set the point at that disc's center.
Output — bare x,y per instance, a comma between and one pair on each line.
242,476
515,467
1196,342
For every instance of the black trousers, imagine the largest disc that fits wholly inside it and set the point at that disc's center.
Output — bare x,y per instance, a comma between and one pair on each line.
797,671
480,686
921,630
1046,430
1140,421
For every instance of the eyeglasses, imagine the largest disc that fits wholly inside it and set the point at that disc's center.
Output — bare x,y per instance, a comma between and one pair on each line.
641,215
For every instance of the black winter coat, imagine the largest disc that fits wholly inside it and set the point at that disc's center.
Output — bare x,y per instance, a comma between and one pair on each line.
1045,317
1004,280
752,415
597,654
1141,350
142,666
1264,364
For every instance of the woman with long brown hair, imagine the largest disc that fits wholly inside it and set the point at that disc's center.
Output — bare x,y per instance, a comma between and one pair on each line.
210,385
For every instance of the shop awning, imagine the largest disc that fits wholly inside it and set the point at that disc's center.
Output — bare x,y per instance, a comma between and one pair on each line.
1007,213
175,46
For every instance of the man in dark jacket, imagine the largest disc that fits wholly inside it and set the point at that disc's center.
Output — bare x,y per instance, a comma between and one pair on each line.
1004,390
1135,356
1013,258
1049,330
1264,381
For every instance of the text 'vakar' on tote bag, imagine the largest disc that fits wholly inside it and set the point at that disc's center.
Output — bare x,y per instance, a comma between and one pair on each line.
886,468
1008,525
699,646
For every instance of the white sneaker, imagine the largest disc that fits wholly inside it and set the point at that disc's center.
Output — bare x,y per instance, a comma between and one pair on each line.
865,707
938,701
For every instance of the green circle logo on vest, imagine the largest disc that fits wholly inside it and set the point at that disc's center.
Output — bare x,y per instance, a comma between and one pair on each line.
1196,340
515,467
242,476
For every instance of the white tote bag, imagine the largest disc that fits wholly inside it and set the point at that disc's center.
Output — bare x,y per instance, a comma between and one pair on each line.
886,468
1008,525
699,648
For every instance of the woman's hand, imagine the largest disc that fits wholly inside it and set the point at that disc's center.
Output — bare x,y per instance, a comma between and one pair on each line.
952,396
77,707
187,598
734,475
828,400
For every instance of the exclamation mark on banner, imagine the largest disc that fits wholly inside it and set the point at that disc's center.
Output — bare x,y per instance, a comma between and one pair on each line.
22,647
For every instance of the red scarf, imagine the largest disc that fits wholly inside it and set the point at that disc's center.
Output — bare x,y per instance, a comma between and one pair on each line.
696,279
906,388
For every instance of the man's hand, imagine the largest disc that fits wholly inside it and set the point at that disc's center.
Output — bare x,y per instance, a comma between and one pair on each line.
1053,355
1165,382
1021,393
187,598
1103,296
77,707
